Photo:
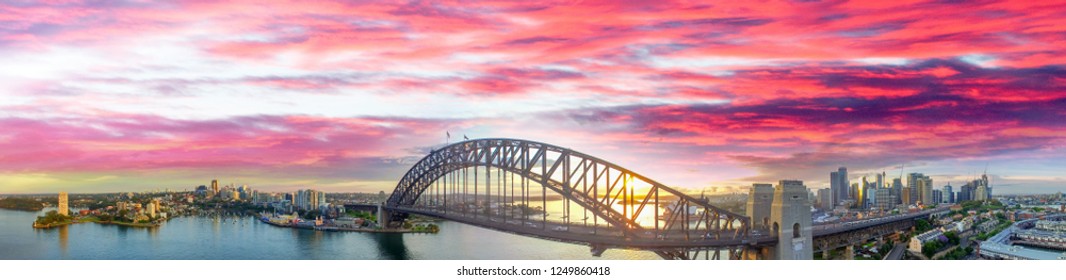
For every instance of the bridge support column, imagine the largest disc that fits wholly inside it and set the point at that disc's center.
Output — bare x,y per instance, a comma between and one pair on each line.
760,198
849,252
790,218
383,217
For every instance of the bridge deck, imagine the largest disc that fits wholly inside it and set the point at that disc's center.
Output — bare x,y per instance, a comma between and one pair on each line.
578,234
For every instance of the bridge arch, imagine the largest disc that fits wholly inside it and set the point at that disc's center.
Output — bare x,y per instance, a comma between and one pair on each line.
592,183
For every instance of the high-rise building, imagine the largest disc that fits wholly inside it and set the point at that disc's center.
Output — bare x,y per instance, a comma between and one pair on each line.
880,184
966,193
309,199
214,186
150,209
908,196
299,199
62,207
853,194
825,199
321,200
949,195
921,187
988,187
871,196
938,197
886,200
838,183
925,186
862,197
912,179
897,190
982,191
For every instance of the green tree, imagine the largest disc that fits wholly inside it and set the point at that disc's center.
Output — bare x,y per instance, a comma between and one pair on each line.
885,248
953,238
922,225
53,217
929,249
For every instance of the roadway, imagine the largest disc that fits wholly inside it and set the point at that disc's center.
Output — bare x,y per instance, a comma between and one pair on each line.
897,252
604,236
644,238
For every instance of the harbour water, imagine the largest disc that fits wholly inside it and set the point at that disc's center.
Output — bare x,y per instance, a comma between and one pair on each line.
244,238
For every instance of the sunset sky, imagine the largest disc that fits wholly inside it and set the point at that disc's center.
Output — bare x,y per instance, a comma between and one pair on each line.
104,96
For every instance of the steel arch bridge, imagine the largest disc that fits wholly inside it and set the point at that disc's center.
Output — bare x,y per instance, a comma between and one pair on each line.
550,192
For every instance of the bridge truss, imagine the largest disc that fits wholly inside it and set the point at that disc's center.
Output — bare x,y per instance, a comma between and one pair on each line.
550,192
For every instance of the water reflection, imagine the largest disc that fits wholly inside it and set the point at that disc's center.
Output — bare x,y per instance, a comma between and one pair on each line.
206,237
63,236
153,232
390,246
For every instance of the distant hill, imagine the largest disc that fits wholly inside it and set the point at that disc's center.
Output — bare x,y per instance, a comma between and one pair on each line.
21,204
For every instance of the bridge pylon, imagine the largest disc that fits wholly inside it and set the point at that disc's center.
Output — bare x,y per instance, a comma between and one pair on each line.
790,218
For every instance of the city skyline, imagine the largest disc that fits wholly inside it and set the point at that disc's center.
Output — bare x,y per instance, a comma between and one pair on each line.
117,97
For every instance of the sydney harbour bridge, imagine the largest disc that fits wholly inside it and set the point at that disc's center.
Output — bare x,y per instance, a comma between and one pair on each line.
550,192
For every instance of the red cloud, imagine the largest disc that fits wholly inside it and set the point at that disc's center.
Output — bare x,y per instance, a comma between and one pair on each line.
138,142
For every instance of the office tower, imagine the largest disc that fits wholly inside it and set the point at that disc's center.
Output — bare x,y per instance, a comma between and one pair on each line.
880,183
834,187
949,195
825,199
838,183
897,190
214,186
885,199
921,188
907,197
853,194
966,193
870,193
925,187
912,179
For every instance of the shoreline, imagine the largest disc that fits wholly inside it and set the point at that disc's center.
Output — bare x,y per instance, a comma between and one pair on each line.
338,229
99,222
21,209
